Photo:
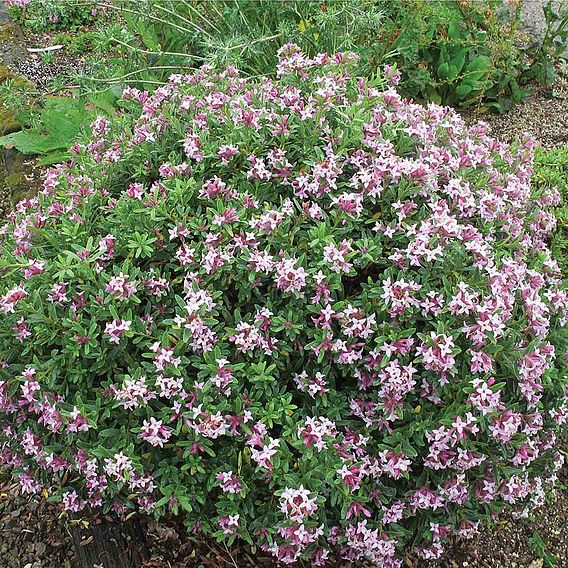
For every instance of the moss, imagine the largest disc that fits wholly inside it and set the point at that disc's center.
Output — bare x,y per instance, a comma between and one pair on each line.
18,196
15,182
9,31
15,186
7,74
8,121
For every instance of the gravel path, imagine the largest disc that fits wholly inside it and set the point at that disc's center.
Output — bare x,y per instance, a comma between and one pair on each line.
519,543
544,115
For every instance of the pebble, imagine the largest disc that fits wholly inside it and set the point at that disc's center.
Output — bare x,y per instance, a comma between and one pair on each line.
40,73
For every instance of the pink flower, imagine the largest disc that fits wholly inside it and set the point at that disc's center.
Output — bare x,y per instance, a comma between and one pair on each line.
290,278
22,330
59,294
392,75
9,300
264,456
229,524
29,484
120,287
72,502
484,399
155,433
313,386
337,257
438,354
296,504
135,190
229,482
192,147
34,267
315,430
116,329
393,464
226,152
119,467
393,513
425,498
77,422
400,295
215,187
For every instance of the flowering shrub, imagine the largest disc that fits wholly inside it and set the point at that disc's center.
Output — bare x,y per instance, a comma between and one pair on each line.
306,312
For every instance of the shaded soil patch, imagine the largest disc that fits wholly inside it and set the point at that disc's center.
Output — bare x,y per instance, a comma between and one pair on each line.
31,533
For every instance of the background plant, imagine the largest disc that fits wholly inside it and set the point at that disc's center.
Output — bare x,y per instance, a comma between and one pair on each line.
46,15
546,52
452,52
455,53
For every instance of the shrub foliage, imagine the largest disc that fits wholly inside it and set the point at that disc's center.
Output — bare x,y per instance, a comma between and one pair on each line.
305,311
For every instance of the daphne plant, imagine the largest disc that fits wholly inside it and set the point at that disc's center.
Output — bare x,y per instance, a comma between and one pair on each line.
304,311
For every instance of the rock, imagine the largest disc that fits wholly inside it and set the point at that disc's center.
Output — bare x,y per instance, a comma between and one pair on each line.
12,161
533,20
4,16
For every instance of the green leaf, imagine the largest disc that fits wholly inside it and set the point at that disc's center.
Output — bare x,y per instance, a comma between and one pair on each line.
104,101
457,62
61,120
443,71
481,63
53,158
454,30
463,90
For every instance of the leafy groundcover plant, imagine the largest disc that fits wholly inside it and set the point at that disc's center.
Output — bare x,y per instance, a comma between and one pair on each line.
43,15
303,311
